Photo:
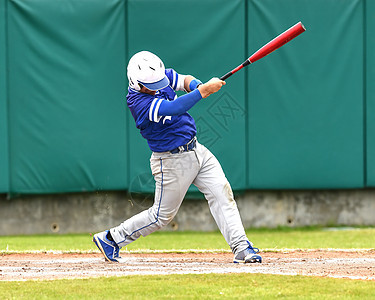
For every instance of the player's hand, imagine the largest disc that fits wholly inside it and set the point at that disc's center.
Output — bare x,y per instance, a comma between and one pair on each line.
210,87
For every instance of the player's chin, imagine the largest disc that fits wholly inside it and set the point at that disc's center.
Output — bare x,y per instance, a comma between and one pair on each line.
152,93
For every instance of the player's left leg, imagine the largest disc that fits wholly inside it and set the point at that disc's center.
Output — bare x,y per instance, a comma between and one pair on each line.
211,181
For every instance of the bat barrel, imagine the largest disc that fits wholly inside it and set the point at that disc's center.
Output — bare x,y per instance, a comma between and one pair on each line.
273,45
278,41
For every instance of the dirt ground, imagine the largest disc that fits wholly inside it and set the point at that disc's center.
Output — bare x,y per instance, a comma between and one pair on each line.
338,264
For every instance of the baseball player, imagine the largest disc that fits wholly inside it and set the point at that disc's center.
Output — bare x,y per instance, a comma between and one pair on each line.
178,159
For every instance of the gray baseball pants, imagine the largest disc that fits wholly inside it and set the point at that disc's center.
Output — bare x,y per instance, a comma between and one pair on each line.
174,173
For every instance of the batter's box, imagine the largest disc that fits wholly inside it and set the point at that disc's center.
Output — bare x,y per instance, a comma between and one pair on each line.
206,134
225,109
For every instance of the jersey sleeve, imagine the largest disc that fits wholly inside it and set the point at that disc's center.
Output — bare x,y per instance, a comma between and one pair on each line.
180,105
176,80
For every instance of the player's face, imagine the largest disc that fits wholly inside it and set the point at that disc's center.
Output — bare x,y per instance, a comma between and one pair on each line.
147,91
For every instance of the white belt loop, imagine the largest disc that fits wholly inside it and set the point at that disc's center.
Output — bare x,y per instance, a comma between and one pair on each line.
191,141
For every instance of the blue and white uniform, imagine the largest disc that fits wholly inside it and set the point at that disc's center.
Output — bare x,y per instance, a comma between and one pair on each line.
163,133
178,159
175,172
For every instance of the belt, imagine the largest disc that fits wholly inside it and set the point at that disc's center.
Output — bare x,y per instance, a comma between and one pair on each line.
187,147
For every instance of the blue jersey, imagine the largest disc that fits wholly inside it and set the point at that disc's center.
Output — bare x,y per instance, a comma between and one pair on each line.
163,133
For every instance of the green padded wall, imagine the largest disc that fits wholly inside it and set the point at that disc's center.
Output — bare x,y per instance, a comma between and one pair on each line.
300,118
306,99
4,159
66,89
205,39
370,96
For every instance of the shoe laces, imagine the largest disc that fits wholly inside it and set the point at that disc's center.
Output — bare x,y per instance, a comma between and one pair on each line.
253,249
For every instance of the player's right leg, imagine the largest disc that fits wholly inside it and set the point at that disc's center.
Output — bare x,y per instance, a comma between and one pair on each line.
173,174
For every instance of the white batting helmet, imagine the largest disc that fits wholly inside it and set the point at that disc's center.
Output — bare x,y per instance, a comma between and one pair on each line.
147,69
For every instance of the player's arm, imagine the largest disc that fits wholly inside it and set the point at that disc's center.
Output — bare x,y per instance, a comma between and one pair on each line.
210,87
191,83
183,103
180,82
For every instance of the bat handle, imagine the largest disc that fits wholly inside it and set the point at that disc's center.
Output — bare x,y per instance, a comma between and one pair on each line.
229,74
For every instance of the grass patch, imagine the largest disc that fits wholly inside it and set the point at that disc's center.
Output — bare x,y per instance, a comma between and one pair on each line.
202,286
280,238
314,238
196,286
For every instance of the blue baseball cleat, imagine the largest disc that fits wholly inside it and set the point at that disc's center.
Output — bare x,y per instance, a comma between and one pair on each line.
249,255
109,249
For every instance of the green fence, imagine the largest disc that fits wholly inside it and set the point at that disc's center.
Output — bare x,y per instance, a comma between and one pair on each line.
300,118
306,101
67,123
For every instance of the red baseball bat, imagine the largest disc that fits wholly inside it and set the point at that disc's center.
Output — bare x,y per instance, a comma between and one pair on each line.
276,43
